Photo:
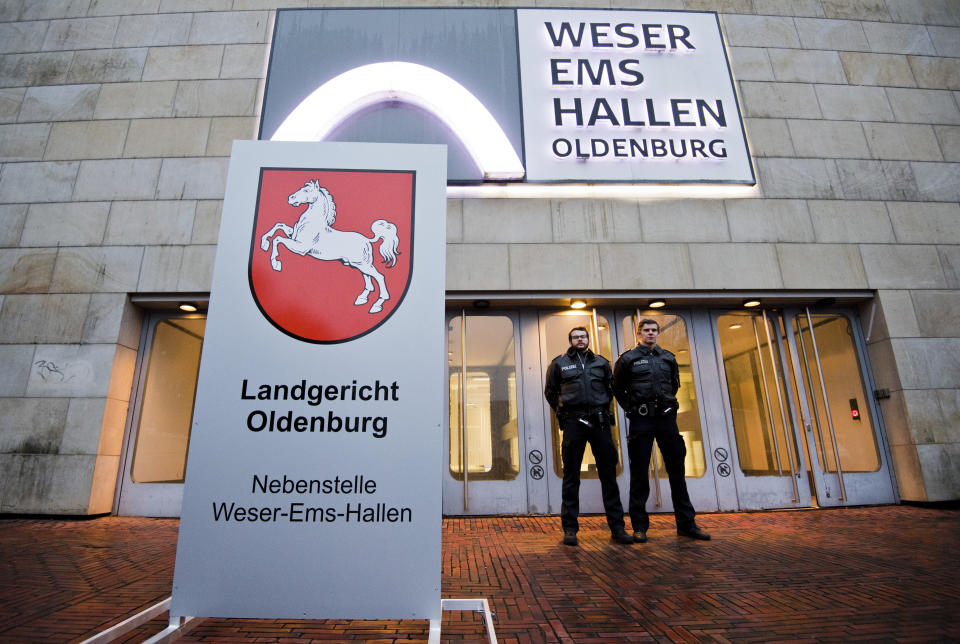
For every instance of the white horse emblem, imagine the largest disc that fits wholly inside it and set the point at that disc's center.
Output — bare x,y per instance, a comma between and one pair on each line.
314,235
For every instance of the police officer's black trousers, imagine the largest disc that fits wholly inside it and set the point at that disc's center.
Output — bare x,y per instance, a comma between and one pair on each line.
576,435
643,431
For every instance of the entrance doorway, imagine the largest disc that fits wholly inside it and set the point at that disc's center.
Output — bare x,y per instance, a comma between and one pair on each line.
774,409
154,458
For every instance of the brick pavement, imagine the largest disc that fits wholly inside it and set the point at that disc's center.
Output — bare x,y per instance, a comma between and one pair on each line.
870,574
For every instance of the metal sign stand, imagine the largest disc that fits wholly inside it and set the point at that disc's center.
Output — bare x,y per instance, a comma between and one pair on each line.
179,625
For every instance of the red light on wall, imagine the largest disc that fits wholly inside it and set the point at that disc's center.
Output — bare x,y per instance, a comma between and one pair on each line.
854,409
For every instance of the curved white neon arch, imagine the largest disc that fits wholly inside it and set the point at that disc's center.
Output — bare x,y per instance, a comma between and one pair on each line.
338,98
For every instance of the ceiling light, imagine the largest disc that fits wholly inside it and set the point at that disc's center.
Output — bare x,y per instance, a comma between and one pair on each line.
188,307
751,303
736,325
578,304
657,304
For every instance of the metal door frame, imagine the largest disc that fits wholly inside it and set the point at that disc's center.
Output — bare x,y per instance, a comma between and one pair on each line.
703,489
855,488
487,497
766,492
144,499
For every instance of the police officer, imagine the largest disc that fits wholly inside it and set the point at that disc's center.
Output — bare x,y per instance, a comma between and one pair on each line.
578,389
645,380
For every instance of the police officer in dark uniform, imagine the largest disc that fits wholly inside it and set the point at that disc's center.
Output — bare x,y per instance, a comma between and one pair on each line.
579,391
646,380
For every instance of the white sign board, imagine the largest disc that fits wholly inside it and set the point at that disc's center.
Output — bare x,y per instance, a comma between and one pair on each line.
312,487
628,96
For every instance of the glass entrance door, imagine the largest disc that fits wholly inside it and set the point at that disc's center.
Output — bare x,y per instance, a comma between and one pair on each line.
554,329
801,423
483,442
843,443
677,336
768,462
155,455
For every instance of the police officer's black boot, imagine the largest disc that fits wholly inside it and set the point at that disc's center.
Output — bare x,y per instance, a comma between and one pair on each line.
621,536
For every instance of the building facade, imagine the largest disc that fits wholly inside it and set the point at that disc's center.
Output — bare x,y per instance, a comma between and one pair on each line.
841,387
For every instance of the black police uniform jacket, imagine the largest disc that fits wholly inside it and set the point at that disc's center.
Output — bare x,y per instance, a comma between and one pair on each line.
578,382
646,375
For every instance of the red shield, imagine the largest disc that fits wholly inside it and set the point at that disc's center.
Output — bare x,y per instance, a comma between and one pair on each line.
329,274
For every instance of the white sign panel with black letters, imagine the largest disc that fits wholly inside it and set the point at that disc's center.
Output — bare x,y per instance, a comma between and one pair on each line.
628,96
312,487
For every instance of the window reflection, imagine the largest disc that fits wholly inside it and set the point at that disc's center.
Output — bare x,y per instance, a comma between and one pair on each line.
856,442
163,431
492,440
674,338
556,331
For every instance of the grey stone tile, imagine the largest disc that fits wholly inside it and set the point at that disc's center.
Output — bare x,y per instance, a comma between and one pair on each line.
136,100
554,266
26,270
59,103
931,12
937,313
924,106
27,319
856,9
760,31
937,181
11,224
902,142
689,220
949,138
877,69
97,270
153,30
81,33
799,66
66,224
828,139
889,180
798,178
150,223
902,267
10,102
117,179
898,38
936,73
32,425
22,37
851,222
826,266
32,70
580,220
769,220
769,137
107,65
463,271
735,266
23,142
946,40
17,360
779,100
645,266
35,182
926,223
846,103
816,33
77,140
